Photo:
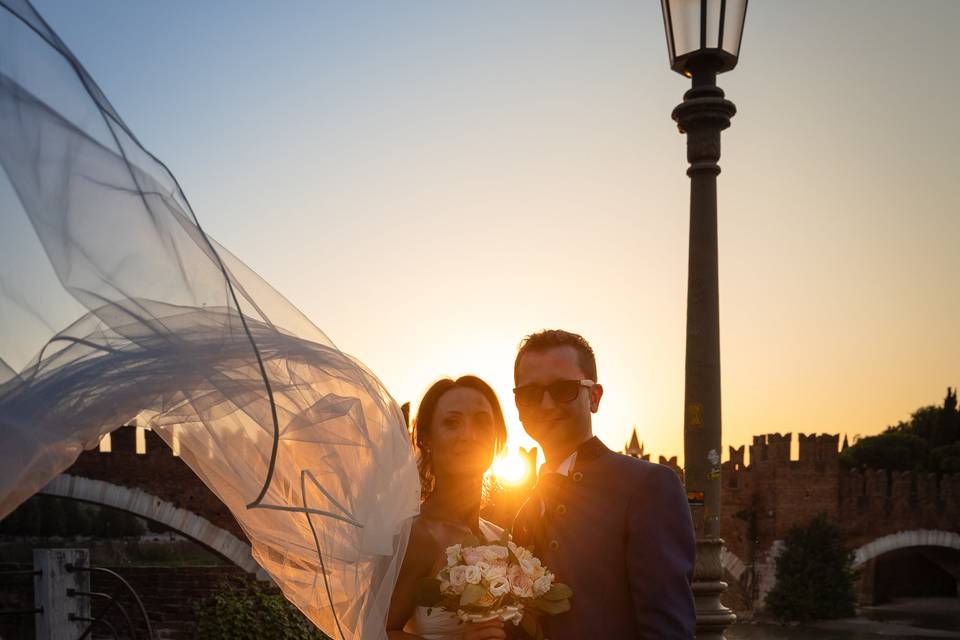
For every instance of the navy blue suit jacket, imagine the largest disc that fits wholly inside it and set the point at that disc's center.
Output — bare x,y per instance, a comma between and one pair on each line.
618,531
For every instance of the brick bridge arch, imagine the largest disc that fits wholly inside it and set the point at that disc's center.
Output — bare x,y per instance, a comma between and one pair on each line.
145,505
905,540
149,480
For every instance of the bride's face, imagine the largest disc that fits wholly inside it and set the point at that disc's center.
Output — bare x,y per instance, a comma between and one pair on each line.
462,434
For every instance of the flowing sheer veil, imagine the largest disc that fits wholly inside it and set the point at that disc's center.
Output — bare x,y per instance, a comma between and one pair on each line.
115,305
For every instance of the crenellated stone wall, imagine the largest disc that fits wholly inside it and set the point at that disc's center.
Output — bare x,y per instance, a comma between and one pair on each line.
765,499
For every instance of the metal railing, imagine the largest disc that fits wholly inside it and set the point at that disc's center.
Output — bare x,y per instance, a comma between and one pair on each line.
111,602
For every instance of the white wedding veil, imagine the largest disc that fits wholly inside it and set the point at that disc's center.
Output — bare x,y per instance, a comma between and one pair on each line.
115,306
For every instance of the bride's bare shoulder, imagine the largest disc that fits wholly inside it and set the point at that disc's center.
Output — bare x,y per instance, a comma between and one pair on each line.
422,533
422,547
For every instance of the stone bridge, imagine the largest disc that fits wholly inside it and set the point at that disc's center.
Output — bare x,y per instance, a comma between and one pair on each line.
885,515
157,485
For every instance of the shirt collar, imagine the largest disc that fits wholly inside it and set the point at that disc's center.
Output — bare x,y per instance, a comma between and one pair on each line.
589,449
563,469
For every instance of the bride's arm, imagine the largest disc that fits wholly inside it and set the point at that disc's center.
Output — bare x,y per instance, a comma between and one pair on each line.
418,561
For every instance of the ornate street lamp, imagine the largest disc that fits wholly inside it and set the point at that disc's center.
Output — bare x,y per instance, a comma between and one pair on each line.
703,38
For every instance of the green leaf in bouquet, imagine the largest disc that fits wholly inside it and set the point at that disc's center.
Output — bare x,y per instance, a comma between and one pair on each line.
558,591
471,594
553,607
428,592
470,541
530,623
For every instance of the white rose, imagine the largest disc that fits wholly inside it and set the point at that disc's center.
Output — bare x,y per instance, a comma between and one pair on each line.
453,555
495,571
484,567
495,552
458,578
522,553
472,574
499,585
542,584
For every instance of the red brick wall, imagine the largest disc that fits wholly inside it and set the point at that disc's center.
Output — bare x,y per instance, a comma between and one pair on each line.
158,472
774,493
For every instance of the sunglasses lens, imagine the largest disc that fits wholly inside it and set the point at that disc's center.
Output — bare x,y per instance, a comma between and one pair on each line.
564,390
529,395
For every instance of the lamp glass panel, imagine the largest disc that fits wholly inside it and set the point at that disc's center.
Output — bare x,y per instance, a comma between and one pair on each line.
733,25
686,25
666,26
713,24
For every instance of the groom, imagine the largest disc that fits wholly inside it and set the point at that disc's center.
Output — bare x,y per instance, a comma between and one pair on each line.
617,530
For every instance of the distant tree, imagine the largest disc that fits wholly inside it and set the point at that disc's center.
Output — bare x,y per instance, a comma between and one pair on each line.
948,422
814,574
893,449
929,441
946,459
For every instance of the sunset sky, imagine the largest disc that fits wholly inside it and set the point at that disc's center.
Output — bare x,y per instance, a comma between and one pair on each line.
430,181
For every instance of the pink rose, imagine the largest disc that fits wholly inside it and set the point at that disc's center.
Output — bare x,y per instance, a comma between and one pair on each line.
471,555
520,583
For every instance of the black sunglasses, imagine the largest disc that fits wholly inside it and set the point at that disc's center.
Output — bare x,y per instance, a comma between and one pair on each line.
560,390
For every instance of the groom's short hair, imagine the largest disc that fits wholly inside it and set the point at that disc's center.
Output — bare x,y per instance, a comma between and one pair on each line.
543,340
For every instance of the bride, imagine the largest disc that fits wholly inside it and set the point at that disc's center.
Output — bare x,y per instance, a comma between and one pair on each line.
458,430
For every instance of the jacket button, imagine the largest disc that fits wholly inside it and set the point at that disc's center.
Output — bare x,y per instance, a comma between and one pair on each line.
554,545
577,476
561,509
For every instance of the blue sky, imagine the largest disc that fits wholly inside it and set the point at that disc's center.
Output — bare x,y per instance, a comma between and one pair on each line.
429,181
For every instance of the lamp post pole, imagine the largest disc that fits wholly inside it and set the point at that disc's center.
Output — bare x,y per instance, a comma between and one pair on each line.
702,115
703,40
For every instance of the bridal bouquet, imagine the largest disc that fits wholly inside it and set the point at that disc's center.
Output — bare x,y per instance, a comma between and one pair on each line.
498,580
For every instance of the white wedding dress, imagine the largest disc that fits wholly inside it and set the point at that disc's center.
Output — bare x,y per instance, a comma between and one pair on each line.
116,306
435,624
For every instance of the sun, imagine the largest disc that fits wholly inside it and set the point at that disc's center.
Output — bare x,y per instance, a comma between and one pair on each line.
511,468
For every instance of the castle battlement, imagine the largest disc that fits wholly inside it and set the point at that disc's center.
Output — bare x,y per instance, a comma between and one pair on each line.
770,447
774,449
819,449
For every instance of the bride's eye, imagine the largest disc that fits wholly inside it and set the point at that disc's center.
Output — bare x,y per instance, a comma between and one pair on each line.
452,422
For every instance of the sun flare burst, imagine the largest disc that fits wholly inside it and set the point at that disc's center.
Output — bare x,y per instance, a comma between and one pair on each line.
511,468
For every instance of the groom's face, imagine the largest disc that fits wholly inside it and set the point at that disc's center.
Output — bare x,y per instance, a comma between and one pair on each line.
555,424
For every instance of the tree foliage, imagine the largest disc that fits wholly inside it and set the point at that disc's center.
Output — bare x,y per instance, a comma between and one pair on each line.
929,441
243,614
814,574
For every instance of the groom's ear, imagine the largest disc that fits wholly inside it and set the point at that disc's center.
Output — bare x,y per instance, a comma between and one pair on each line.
596,392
